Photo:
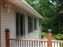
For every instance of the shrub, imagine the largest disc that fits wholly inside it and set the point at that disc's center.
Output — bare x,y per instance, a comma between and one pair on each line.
44,35
58,37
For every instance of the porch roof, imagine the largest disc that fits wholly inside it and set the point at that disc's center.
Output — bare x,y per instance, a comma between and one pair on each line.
24,5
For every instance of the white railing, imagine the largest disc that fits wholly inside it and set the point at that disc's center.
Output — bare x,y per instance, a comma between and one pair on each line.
34,43
28,43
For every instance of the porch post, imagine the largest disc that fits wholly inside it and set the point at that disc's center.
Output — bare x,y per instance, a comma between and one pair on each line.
49,38
7,33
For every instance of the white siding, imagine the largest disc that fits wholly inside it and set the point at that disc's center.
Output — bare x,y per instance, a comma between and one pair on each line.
7,21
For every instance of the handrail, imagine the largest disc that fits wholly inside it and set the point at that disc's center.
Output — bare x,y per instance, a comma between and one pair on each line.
31,39
57,41
38,40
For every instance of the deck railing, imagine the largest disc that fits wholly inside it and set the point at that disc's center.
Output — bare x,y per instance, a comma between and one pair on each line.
57,43
28,43
34,43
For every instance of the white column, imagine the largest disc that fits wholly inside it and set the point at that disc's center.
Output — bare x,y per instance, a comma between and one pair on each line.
37,24
26,26
38,28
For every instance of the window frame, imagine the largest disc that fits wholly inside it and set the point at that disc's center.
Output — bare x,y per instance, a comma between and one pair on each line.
30,24
35,24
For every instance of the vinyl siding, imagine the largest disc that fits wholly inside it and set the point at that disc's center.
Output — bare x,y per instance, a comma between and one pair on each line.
7,21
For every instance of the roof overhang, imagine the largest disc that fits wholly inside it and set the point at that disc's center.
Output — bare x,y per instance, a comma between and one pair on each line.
24,5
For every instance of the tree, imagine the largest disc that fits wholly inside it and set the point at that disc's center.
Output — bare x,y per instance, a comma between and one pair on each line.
52,11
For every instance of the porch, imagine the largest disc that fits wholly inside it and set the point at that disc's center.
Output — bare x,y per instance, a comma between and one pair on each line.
15,42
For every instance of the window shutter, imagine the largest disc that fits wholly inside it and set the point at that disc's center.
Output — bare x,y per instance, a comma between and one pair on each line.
17,24
30,24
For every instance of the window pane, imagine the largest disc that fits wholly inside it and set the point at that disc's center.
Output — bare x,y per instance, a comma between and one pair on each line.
35,24
20,27
30,24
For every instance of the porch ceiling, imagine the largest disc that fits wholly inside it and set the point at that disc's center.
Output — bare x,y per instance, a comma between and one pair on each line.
24,5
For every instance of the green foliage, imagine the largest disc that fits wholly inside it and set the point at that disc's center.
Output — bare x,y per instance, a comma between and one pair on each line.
58,37
55,36
44,35
46,8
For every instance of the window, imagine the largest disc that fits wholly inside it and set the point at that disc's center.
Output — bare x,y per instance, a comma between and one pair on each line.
35,24
30,24
20,24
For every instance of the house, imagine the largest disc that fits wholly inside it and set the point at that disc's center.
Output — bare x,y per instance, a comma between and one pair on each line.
20,18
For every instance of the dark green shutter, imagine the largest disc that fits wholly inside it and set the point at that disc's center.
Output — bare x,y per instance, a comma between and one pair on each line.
17,23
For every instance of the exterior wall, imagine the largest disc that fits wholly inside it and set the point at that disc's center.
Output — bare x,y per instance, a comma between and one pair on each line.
7,21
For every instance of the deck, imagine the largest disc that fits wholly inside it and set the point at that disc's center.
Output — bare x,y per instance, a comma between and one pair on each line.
34,43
